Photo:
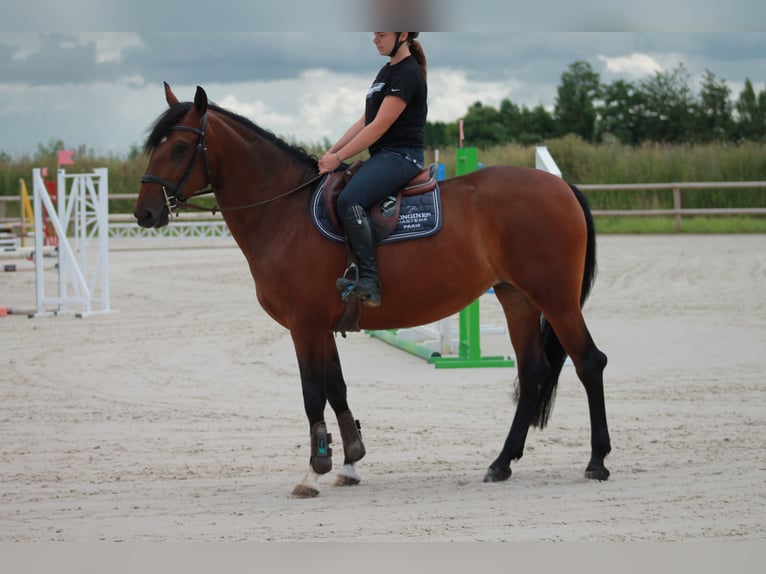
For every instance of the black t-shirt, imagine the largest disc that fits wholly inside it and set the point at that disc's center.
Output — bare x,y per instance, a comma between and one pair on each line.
404,80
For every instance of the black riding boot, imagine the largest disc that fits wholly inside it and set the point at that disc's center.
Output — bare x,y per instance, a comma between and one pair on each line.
362,242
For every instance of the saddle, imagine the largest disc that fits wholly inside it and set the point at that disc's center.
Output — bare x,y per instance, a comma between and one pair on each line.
384,215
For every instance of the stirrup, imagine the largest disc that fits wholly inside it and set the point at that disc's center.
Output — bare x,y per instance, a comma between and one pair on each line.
351,288
345,284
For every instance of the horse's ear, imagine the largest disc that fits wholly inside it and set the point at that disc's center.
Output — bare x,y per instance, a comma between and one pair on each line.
200,101
170,97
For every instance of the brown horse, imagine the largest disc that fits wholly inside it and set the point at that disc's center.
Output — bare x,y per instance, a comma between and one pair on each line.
522,231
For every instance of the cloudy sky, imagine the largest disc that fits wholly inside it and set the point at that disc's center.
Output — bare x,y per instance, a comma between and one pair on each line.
103,90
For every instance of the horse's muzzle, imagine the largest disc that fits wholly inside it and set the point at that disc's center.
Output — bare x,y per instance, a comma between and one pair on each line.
148,218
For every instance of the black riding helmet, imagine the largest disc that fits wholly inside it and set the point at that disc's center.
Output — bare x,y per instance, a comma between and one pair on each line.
398,44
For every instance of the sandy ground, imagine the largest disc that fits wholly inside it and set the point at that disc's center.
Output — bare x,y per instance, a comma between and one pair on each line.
179,418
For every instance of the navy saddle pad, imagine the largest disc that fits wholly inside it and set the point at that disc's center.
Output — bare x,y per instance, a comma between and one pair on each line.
419,216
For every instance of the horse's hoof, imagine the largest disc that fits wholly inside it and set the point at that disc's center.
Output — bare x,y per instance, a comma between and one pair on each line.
341,480
347,476
497,474
303,491
597,473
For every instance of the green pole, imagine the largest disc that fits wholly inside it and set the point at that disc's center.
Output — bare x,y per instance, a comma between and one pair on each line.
411,347
469,340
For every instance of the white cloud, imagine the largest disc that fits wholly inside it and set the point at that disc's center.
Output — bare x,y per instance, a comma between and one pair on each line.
322,104
257,110
117,101
319,104
635,65
316,105
450,93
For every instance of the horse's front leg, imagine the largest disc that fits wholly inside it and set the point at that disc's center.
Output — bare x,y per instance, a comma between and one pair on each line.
322,380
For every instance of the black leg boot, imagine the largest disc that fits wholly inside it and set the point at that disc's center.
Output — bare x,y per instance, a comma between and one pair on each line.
362,242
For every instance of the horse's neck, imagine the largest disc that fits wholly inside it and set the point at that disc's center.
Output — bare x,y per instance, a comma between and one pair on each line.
255,171
265,219
253,174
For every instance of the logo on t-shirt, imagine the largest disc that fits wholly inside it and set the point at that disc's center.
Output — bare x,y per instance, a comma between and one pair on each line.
377,87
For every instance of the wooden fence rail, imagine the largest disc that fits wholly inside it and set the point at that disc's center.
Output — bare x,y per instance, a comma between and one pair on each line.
678,211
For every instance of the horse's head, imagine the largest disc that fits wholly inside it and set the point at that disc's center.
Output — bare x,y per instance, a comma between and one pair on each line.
178,159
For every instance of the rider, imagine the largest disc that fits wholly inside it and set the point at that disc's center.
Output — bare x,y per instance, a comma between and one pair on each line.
392,128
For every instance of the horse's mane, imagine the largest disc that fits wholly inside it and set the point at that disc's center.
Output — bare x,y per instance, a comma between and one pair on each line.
175,113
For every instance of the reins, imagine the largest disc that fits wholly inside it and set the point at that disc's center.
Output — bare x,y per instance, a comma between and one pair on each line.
176,200
207,191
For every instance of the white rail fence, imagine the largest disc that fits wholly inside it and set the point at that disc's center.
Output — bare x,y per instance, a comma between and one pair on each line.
202,225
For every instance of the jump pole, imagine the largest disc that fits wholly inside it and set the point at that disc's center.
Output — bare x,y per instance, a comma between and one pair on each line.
394,339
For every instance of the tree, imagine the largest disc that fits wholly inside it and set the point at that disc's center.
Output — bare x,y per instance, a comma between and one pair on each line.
436,134
751,113
620,113
440,134
575,109
53,146
714,109
537,125
483,126
668,106
510,116
761,124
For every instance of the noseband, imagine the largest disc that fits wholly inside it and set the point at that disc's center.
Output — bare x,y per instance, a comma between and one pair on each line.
176,198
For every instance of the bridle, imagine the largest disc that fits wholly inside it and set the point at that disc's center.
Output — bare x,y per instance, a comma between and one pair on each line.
176,200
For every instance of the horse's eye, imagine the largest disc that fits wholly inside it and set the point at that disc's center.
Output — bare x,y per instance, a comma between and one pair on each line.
180,148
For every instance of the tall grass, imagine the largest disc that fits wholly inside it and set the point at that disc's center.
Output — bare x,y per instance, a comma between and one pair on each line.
124,175
580,163
584,163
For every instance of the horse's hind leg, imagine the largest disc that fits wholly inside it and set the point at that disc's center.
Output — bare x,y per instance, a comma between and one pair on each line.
540,355
589,363
590,369
523,321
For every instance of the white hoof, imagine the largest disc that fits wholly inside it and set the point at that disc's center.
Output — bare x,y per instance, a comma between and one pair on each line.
347,476
308,487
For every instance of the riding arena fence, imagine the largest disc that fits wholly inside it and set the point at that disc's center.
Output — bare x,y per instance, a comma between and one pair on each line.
204,225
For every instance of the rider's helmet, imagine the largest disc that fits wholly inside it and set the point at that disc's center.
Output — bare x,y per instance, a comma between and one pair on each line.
397,45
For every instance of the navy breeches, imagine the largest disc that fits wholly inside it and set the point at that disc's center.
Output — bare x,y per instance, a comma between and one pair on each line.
384,173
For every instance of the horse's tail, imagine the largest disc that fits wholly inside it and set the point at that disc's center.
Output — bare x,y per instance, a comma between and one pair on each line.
554,352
